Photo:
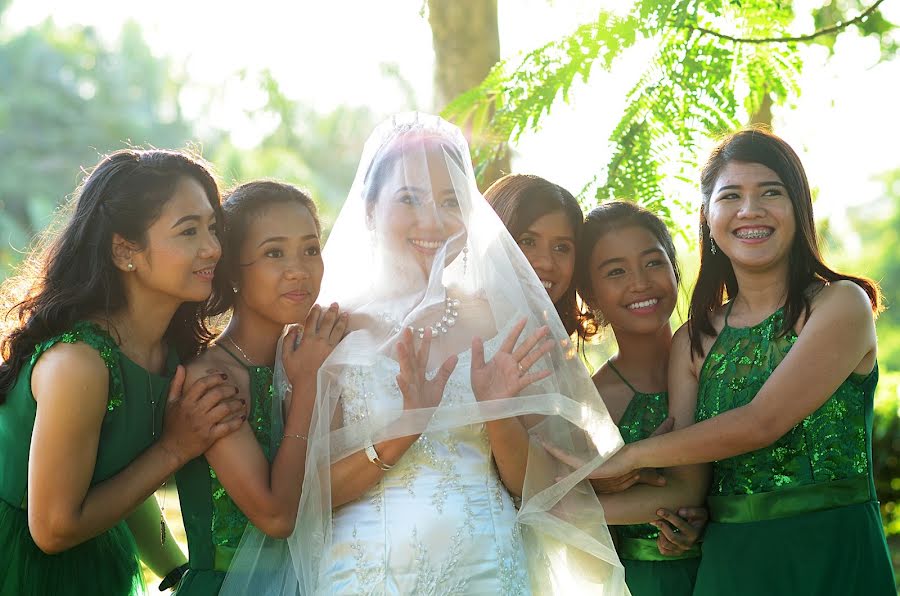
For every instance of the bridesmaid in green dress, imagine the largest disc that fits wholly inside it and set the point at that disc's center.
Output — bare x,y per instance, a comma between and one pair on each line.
628,275
547,223
780,352
92,420
545,220
273,269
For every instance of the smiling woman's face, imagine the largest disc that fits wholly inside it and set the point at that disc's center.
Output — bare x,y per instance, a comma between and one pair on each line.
281,264
417,210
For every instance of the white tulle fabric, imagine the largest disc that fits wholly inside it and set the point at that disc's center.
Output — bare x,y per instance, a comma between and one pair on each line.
413,233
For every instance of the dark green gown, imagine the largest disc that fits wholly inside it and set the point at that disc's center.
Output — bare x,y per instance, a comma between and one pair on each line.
647,571
107,564
799,516
213,523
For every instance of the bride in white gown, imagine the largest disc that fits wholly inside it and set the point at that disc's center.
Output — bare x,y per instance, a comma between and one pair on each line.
425,471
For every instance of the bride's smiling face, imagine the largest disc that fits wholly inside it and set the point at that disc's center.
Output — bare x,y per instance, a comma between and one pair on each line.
416,212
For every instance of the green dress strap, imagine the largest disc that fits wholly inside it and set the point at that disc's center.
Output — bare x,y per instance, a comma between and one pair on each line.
91,334
233,355
613,368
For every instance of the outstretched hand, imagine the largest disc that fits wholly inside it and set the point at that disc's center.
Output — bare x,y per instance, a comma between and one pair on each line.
417,391
617,473
506,374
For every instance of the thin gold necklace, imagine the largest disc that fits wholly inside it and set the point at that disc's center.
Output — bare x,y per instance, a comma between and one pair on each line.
238,348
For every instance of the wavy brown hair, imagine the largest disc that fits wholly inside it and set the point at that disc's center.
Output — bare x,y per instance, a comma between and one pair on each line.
716,281
519,200
70,276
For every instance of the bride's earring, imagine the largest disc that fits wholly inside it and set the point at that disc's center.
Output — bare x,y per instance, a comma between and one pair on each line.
465,258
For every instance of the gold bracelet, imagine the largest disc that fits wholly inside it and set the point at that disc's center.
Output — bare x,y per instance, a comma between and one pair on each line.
288,436
373,457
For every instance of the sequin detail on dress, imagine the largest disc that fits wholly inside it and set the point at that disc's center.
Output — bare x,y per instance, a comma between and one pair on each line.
829,444
645,412
228,522
92,335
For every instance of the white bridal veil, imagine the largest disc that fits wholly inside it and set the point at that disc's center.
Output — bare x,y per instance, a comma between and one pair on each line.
416,245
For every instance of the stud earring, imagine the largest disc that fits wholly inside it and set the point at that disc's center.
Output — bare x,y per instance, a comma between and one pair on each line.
131,266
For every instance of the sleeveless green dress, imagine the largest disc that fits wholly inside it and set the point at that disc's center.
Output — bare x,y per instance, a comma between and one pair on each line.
647,571
107,564
213,523
799,516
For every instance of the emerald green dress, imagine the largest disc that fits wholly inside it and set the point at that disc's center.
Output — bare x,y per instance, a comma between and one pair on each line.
213,523
107,564
799,516
647,571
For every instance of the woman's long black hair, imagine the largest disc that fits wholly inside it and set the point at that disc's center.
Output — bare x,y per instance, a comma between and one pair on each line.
71,275
716,281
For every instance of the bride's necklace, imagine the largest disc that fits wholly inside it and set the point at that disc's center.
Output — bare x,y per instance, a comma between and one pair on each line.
447,320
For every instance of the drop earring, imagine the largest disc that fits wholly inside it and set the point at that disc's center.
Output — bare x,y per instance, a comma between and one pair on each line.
712,245
465,258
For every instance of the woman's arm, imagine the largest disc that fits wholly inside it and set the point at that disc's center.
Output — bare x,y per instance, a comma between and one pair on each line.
160,556
685,485
836,340
355,474
504,376
269,495
70,385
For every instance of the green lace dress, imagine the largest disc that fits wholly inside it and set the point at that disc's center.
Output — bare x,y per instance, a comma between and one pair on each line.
647,572
213,523
799,516
107,564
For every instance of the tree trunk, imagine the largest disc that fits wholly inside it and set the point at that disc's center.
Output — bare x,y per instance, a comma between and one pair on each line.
763,114
466,46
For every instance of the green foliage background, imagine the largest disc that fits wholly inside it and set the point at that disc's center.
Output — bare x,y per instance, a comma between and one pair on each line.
68,97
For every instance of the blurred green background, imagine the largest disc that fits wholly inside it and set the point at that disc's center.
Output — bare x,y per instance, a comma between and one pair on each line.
610,99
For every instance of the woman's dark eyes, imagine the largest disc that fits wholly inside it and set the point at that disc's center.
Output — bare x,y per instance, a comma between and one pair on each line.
275,253
313,251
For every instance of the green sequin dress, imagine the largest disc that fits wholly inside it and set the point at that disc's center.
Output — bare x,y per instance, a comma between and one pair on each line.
799,516
213,523
107,564
647,572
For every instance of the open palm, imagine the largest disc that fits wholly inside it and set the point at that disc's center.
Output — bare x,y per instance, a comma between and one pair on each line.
417,391
506,374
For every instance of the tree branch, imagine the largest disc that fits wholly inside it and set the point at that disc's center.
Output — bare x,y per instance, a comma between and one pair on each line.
809,37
